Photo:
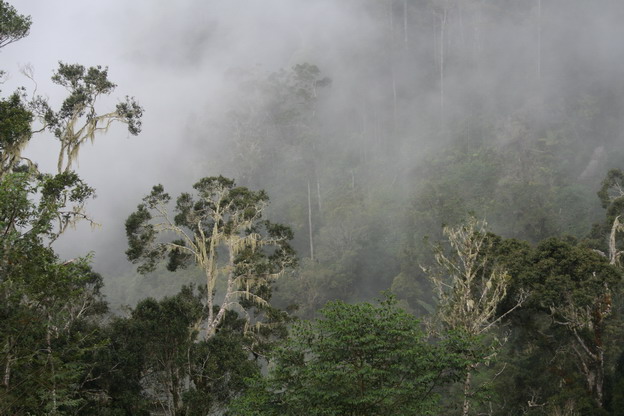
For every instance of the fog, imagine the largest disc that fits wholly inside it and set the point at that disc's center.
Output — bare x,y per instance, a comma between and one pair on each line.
408,79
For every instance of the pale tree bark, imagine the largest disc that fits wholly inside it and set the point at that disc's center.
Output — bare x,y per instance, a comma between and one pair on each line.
539,40
6,378
614,253
318,195
589,351
205,248
467,391
469,288
310,223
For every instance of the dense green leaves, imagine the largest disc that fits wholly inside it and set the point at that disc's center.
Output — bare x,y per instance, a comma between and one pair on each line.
15,131
357,359
157,360
13,26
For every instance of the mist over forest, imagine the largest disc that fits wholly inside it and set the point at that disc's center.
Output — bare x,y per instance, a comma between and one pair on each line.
435,181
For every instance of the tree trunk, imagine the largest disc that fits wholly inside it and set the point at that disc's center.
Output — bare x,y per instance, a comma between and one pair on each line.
210,277
392,69
539,40
52,368
443,17
600,378
614,253
405,24
318,195
6,378
466,405
310,222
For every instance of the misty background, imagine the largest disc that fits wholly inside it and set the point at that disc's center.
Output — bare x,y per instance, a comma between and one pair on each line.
435,109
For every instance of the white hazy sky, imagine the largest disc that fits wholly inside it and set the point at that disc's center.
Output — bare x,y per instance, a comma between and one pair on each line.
172,57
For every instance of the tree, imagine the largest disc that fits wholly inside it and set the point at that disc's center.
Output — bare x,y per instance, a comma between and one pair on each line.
47,336
15,131
575,286
470,288
359,359
156,363
611,196
49,307
221,220
78,120
13,26
566,330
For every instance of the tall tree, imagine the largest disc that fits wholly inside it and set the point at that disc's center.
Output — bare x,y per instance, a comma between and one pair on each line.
221,222
575,286
470,287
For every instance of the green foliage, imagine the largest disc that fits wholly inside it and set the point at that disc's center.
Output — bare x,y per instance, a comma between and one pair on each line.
78,120
357,359
564,330
568,274
13,26
220,231
220,207
605,235
15,130
156,359
48,334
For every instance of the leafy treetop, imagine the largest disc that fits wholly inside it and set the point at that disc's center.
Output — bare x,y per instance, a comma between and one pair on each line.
13,26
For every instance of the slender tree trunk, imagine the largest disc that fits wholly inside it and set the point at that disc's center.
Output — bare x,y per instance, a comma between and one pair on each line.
462,31
310,222
614,253
539,40
210,278
405,24
466,405
318,195
600,379
392,69
52,367
443,18
6,378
